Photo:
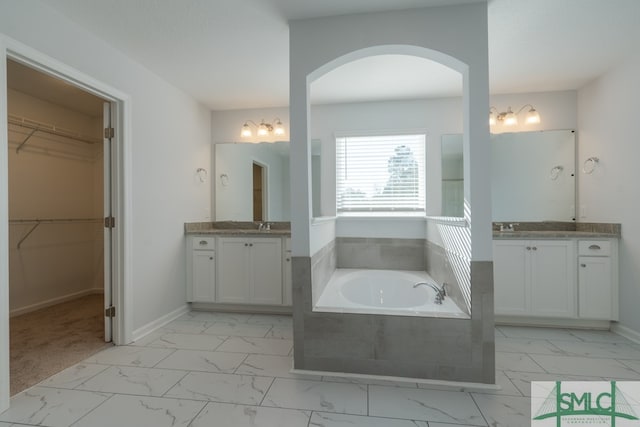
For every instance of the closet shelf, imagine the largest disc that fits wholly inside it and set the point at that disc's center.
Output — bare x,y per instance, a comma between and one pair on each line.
36,126
37,221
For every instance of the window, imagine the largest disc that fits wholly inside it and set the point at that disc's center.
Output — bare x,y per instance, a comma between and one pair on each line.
380,173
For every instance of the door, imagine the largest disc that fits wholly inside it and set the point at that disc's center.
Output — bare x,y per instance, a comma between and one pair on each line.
553,281
266,271
233,270
204,275
595,293
109,222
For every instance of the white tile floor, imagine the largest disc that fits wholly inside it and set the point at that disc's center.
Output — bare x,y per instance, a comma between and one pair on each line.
208,369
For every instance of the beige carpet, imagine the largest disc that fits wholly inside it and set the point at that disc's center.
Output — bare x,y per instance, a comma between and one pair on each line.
47,341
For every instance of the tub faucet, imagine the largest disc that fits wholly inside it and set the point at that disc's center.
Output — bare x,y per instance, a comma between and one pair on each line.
440,292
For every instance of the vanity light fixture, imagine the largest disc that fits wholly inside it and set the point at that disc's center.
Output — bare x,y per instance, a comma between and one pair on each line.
263,129
509,118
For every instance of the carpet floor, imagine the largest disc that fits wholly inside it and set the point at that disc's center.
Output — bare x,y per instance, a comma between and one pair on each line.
46,341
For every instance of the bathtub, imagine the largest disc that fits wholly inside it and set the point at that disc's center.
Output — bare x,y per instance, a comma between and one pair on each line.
388,292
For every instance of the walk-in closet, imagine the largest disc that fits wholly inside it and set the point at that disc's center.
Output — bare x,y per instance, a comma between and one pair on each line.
56,226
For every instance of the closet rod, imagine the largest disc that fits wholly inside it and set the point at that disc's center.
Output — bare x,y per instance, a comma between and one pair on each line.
49,129
37,222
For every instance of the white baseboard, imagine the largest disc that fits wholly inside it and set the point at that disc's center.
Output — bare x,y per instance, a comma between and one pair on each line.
626,332
54,301
500,320
159,323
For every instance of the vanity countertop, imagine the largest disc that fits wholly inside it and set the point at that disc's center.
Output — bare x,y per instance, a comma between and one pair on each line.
558,234
236,228
558,230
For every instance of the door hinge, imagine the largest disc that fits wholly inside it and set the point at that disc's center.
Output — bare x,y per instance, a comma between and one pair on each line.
109,133
110,312
109,222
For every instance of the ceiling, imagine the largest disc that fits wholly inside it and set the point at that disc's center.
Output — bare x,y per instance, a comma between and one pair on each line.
232,54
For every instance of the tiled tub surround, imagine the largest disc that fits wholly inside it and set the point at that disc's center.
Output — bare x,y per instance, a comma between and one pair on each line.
396,346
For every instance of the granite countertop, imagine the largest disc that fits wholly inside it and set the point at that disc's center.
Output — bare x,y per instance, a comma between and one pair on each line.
236,228
558,230
550,234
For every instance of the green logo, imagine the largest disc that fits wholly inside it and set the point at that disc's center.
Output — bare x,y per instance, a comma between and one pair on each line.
586,405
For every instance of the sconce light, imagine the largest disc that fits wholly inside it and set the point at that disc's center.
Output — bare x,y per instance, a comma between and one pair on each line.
263,129
509,118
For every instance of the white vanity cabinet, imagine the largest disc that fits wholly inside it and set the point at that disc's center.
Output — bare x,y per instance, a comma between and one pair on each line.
598,279
201,269
249,270
287,273
535,278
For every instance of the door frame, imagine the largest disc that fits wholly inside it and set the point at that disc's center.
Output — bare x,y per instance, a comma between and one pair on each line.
122,207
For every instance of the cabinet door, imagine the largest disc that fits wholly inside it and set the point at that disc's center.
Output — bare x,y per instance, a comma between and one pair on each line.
510,277
266,270
203,264
595,292
286,273
233,270
553,281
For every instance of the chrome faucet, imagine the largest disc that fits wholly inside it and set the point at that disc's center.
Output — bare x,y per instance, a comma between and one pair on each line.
510,227
264,226
440,292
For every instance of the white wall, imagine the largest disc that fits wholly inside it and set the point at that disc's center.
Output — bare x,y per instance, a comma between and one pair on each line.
609,129
57,260
170,139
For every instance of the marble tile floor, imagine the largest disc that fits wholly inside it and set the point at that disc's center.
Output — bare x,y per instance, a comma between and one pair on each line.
207,369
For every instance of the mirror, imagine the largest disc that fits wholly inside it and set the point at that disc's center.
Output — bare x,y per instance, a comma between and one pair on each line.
237,192
532,175
252,181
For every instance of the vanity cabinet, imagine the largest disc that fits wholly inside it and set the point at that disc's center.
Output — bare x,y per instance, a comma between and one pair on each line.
249,270
535,278
597,279
201,269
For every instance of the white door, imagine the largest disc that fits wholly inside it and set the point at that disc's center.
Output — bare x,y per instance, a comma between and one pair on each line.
266,270
203,275
595,293
233,270
553,281
108,150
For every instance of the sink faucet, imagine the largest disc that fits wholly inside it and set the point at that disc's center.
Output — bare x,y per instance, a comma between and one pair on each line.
440,292
510,227
264,226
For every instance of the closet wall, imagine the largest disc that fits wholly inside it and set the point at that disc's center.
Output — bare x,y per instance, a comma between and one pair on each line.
53,177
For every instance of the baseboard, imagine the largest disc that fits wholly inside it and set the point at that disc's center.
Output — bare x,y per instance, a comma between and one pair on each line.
604,325
241,308
626,332
54,301
159,323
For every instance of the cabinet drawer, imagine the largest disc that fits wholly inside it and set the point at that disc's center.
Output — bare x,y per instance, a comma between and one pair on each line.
594,247
204,243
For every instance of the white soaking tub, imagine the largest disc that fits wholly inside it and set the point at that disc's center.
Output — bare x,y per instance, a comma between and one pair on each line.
389,292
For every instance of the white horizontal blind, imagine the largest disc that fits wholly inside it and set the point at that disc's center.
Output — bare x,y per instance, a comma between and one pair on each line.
381,173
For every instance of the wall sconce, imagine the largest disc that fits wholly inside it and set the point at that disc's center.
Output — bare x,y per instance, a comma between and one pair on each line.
263,129
509,118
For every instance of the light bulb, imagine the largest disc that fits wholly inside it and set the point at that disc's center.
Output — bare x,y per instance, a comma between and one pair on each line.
246,131
278,129
510,118
262,129
533,117
492,118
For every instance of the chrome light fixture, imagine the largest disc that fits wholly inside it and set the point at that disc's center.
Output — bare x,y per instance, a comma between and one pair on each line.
509,118
262,129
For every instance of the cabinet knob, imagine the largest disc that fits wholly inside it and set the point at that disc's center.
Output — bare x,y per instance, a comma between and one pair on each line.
211,258
250,244
528,248
594,247
534,248
246,244
203,242
288,259
583,265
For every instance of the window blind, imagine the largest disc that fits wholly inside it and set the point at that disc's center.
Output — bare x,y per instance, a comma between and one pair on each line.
380,173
